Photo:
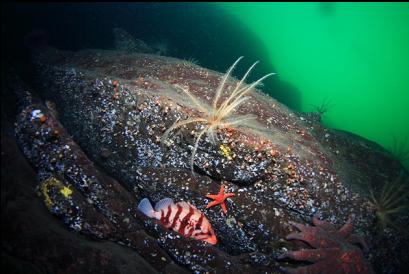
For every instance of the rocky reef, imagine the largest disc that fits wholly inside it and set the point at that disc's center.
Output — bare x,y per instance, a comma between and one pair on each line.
94,137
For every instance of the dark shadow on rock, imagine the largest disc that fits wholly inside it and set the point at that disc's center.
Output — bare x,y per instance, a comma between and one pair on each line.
33,241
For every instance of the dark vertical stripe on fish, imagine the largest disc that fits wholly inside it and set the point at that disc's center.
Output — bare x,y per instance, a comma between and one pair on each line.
162,215
199,222
176,218
185,221
166,220
190,232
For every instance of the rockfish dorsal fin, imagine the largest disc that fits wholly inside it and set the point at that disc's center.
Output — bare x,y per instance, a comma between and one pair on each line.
163,204
185,204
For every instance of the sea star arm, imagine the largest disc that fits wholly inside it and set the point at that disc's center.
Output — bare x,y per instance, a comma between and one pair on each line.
309,269
333,250
310,255
212,204
220,198
224,208
323,224
346,229
356,240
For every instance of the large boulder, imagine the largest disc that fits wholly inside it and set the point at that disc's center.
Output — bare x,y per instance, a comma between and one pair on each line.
110,109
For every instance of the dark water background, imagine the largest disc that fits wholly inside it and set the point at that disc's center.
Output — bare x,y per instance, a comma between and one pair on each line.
200,31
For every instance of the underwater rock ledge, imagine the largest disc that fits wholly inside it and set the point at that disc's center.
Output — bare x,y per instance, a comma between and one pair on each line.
108,109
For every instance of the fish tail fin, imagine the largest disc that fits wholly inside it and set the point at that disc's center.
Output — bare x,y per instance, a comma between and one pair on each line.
146,208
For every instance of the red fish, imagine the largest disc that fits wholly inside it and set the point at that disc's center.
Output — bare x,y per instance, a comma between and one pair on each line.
181,217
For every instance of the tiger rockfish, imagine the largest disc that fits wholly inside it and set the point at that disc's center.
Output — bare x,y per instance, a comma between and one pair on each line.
181,217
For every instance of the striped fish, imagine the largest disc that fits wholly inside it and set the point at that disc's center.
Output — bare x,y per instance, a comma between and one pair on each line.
181,217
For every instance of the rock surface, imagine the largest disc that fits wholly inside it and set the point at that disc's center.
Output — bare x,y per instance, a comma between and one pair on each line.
114,107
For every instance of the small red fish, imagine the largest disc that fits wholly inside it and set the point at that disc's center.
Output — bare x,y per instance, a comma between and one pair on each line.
181,217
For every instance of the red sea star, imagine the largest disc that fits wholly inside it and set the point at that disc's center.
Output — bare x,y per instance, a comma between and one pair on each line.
219,199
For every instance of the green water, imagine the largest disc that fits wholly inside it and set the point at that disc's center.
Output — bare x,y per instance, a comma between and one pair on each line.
356,54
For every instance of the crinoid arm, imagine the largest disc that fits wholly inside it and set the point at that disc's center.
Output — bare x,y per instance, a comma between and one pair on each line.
237,94
179,124
211,133
223,82
239,84
237,89
226,111
196,145
219,116
194,99
247,123
238,121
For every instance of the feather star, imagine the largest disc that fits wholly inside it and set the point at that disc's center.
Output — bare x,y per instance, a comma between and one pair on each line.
219,199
